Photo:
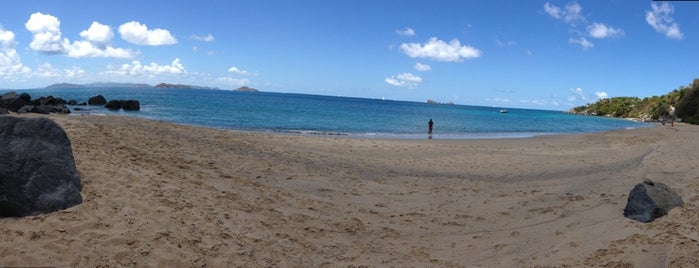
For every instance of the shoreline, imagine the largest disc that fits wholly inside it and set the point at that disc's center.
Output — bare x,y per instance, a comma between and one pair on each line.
384,136
164,194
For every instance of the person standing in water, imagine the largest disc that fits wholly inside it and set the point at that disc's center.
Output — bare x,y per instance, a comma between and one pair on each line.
430,124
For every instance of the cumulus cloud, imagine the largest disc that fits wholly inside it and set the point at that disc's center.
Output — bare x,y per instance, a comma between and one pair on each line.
46,30
660,18
204,38
10,62
135,68
421,67
570,14
98,34
439,50
600,31
235,70
81,49
406,32
601,95
47,39
7,39
136,33
407,80
582,41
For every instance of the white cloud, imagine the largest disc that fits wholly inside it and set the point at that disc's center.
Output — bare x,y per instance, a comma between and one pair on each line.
47,39
205,38
439,50
153,69
421,67
570,15
10,62
81,49
47,34
406,32
553,11
582,41
601,95
139,34
7,39
661,20
600,31
235,70
407,80
98,34
577,93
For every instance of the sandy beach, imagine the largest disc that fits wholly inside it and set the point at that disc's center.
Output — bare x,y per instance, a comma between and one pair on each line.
164,195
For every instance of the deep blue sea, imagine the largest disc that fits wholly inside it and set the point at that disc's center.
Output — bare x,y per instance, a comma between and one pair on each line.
327,115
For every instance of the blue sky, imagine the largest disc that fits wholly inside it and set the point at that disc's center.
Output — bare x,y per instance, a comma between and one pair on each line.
530,54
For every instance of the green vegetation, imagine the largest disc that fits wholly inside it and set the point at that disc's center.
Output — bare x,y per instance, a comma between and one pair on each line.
685,99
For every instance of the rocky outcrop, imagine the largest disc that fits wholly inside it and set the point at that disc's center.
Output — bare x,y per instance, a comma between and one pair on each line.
113,105
97,100
131,105
127,105
22,103
37,168
13,101
651,200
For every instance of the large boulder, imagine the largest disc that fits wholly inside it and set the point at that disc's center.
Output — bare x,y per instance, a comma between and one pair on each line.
97,100
113,105
37,169
127,105
13,101
651,200
131,105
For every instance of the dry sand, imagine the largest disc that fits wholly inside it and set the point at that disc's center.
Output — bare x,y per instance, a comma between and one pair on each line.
163,195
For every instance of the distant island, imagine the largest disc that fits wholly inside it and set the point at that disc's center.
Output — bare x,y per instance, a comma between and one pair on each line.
180,86
246,89
140,85
437,102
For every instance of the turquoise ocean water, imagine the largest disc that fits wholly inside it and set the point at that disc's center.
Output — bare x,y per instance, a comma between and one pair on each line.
327,115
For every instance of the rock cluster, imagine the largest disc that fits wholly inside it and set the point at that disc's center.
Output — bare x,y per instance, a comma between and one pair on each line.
37,168
23,103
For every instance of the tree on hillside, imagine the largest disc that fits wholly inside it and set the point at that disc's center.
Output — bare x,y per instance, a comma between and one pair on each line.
688,104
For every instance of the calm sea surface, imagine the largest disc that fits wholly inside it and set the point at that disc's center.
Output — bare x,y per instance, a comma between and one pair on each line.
326,115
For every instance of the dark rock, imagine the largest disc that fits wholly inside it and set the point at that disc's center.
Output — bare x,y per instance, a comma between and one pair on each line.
25,109
113,105
72,102
97,100
41,109
127,105
37,168
50,100
13,101
131,105
83,104
4,111
651,200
